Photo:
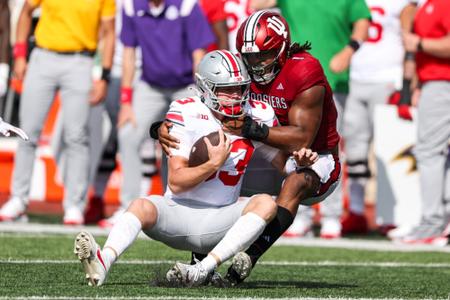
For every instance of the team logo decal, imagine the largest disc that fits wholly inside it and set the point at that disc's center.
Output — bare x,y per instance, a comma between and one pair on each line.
276,25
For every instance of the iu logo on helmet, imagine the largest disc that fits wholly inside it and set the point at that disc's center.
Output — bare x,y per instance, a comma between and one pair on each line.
276,25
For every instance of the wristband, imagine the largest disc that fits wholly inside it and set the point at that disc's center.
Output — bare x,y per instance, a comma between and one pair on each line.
405,93
354,44
254,130
20,50
410,56
154,129
126,95
106,74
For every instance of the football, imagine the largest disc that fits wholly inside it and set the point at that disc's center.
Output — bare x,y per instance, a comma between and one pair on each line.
199,151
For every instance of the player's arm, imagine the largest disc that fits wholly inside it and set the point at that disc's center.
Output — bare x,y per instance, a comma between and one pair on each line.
407,17
107,33
305,116
181,177
23,31
341,60
128,68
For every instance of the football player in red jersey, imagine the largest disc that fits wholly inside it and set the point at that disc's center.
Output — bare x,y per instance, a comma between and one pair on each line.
292,81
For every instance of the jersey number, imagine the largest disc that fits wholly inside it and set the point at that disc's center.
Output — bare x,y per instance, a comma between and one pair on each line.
185,101
232,178
376,29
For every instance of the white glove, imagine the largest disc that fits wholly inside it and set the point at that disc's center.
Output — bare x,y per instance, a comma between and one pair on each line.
4,72
6,130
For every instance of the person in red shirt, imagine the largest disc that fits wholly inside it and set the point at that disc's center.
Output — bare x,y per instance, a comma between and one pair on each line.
431,44
292,81
217,18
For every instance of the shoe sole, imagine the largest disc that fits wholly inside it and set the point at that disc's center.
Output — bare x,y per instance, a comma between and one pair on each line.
83,250
242,265
437,241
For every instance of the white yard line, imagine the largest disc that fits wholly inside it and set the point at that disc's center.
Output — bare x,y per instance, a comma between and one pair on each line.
44,230
324,263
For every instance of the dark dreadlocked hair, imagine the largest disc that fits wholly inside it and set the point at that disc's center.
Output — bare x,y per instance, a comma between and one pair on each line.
297,48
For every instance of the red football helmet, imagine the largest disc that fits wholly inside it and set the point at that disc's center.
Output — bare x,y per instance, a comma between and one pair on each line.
263,40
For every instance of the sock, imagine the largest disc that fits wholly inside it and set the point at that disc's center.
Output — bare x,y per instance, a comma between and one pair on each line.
244,232
122,235
209,263
357,188
271,233
109,257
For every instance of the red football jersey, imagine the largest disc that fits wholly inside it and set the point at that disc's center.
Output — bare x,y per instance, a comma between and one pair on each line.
301,72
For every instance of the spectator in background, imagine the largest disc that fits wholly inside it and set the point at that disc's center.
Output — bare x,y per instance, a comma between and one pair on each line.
4,46
172,35
336,30
375,73
215,13
103,154
431,44
66,38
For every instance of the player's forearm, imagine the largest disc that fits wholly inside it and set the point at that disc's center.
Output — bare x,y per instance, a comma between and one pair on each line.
197,56
289,138
184,179
437,47
24,23
221,32
407,17
128,66
360,34
108,33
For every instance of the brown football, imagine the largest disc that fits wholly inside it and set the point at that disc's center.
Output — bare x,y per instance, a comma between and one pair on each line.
199,151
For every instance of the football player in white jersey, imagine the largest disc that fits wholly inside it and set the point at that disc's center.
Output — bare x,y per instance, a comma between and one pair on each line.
375,73
200,211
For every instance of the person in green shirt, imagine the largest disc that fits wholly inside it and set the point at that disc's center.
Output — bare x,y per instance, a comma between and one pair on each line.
335,29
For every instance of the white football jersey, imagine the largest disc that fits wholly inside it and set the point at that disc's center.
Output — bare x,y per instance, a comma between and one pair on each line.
380,58
192,119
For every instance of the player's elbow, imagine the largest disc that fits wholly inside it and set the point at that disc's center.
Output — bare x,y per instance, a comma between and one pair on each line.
175,187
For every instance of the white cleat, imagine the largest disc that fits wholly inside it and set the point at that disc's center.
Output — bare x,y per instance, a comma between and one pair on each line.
240,269
187,275
242,265
89,253
13,210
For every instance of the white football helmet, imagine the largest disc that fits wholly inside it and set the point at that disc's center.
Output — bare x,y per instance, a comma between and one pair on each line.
221,68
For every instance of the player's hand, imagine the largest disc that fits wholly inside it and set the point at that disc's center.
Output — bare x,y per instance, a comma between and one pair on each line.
410,41
6,129
126,115
341,60
20,67
165,139
233,125
98,92
218,154
305,157
402,100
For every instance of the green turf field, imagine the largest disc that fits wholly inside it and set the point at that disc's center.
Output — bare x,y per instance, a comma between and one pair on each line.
44,266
